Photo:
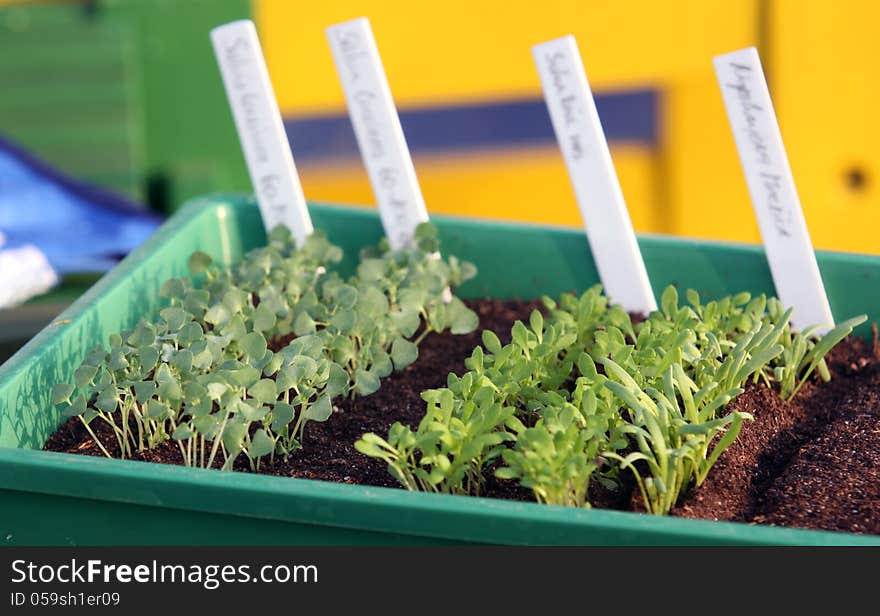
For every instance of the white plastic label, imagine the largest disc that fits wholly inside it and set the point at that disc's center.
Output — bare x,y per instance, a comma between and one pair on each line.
260,129
771,187
588,160
378,131
24,273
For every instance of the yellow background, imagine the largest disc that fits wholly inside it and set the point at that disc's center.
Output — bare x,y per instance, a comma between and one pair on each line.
820,58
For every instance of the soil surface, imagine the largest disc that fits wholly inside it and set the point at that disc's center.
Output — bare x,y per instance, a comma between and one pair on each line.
811,462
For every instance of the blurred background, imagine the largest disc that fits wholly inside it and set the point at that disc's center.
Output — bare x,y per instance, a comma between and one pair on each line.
117,106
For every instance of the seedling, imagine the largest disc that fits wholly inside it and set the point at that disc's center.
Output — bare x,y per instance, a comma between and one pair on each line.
208,373
584,392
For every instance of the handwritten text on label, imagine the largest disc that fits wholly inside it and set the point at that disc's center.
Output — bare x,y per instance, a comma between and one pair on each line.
588,161
771,180
377,128
260,129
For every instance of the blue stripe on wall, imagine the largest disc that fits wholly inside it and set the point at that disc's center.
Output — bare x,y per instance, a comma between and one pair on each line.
626,116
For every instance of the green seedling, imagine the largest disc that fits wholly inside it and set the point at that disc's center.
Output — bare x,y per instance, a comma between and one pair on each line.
207,374
588,393
555,458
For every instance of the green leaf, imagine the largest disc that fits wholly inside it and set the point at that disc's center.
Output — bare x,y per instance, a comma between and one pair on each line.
233,436
426,237
216,390
182,432
173,287
199,262
491,342
371,270
468,270
372,449
254,345
196,301
263,319
84,375
403,353
117,360
245,376
372,302
347,296
505,472
282,415
536,322
337,382
148,357
280,234
320,410
199,408
381,364
170,390
174,317
235,328
144,390
217,315
190,332
303,324
406,321
365,382
235,300
462,320
304,367
107,399
343,320
669,301
61,393
274,363
207,425
264,391
261,444
157,410
286,379
183,360
251,410
77,407
169,387
142,335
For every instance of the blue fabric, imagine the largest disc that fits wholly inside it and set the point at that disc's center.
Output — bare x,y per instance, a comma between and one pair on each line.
78,227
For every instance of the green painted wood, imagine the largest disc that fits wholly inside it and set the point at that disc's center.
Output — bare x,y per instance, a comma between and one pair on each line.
58,62
186,117
62,498
125,94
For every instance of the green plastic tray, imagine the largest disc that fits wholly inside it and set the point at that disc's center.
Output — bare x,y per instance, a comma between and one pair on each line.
53,498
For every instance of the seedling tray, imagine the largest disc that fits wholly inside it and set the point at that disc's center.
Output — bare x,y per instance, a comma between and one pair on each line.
57,498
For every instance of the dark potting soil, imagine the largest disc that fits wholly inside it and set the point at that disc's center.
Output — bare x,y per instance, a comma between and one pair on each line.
811,462
328,450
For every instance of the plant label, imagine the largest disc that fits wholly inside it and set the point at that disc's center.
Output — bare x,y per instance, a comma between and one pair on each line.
378,131
596,188
260,129
771,187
